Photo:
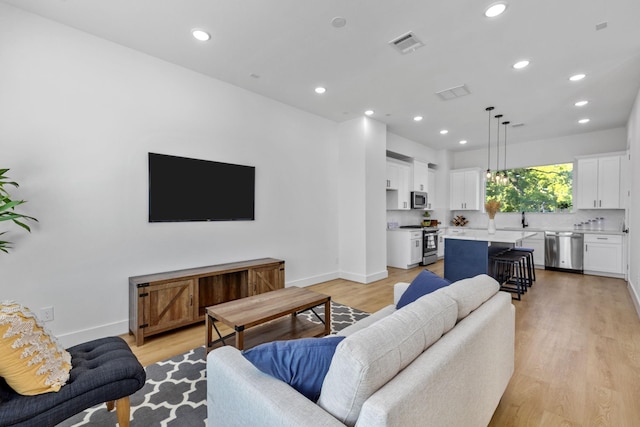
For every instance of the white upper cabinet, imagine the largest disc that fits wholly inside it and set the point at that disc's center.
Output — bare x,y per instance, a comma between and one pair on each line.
432,197
398,185
464,190
599,182
393,175
420,176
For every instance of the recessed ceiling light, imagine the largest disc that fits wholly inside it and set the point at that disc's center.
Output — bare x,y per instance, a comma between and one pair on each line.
495,9
417,118
581,103
338,22
520,64
583,121
464,141
201,35
577,77
444,132
369,112
320,90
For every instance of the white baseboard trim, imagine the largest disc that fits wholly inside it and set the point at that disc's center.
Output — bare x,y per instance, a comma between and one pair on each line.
308,281
634,297
84,335
360,278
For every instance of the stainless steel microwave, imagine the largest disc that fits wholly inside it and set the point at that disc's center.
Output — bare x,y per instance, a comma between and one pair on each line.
418,200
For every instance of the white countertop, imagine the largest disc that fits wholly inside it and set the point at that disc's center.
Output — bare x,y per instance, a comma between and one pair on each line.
501,236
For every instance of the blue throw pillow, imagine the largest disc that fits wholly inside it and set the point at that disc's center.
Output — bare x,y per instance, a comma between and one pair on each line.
424,283
301,363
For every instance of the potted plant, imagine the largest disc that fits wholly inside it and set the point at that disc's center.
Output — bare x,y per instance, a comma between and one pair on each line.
426,222
7,208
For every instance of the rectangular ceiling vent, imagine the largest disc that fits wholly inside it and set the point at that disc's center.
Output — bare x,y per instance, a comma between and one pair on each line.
454,92
406,43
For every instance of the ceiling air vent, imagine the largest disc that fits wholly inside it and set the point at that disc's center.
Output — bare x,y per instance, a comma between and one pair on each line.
406,43
454,92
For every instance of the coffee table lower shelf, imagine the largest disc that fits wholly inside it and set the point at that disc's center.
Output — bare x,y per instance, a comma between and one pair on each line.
285,328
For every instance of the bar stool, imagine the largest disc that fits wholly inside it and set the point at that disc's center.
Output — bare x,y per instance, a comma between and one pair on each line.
509,269
531,269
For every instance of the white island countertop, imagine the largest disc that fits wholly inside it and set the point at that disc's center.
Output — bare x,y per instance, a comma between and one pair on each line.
501,236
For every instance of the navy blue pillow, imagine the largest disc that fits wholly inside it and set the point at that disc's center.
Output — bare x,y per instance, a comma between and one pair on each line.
424,283
301,363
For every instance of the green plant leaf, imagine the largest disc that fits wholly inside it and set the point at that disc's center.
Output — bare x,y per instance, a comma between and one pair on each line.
23,225
11,204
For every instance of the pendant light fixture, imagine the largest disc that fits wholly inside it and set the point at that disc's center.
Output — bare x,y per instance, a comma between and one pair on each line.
497,176
505,178
489,109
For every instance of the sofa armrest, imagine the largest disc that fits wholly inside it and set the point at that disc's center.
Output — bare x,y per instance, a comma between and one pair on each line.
399,289
238,394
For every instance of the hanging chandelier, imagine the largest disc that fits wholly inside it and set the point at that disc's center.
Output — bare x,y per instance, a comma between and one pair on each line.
505,178
489,109
499,177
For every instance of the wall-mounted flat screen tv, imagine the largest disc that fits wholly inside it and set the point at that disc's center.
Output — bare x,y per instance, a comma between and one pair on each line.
184,189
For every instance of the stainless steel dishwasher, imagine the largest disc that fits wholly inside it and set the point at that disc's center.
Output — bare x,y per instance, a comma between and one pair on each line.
564,251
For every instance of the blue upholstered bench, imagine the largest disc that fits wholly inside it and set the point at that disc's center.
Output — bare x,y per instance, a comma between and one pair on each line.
103,370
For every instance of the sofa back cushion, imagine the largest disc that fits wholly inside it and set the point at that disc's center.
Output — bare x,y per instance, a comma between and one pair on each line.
471,293
423,284
369,358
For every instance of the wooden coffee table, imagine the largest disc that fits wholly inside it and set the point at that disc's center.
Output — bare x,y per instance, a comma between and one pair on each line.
268,317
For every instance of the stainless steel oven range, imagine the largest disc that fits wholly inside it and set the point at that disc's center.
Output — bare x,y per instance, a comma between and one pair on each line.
429,245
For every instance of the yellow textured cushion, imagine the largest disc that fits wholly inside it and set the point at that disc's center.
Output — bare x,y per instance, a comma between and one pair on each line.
31,360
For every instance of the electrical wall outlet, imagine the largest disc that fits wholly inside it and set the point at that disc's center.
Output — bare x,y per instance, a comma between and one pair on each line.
46,314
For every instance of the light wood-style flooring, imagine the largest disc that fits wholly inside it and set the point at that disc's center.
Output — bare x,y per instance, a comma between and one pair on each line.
577,348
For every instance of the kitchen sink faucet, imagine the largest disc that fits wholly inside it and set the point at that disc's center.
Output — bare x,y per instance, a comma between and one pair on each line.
524,221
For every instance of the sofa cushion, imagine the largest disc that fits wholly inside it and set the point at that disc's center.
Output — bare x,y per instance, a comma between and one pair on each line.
301,363
31,359
367,321
471,293
369,358
423,284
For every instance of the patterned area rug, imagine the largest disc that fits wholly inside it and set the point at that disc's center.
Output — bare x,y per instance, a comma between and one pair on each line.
175,393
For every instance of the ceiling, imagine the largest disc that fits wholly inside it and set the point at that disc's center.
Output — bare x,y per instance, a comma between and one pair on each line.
283,49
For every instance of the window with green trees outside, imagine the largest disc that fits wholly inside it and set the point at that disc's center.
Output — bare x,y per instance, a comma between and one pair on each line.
534,189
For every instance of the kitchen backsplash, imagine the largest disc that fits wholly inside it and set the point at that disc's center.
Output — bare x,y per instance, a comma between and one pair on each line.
613,219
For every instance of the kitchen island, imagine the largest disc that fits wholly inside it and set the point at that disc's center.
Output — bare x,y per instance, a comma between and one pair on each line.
467,252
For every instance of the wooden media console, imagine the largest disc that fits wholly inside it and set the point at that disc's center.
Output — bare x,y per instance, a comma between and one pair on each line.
161,302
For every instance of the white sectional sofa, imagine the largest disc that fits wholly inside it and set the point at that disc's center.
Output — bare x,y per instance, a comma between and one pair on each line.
442,360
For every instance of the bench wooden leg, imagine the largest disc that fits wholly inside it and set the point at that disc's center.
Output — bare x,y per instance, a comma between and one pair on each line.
123,410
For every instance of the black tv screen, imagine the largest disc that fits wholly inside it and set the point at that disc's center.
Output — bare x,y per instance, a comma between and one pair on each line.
184,189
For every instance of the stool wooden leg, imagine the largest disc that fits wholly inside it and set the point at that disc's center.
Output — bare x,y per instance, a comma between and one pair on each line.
123,410
110,405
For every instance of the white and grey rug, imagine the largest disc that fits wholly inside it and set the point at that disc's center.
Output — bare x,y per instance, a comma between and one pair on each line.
175,392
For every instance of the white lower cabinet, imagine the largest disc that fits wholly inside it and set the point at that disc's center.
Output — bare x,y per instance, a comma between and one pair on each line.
404,248
537,244
603,253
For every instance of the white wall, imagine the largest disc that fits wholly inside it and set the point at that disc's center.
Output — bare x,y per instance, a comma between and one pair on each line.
634,209
547,151
77,117
362,237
